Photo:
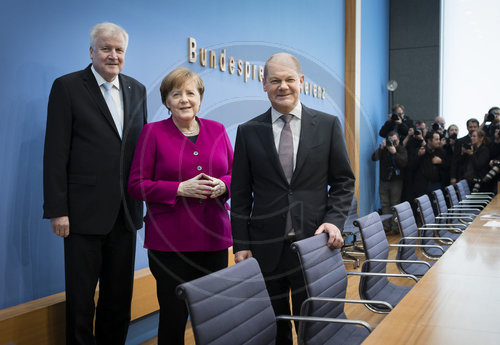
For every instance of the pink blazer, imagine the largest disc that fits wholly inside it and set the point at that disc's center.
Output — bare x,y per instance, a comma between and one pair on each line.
163,158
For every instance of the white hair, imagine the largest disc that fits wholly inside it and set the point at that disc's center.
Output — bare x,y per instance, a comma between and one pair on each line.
107,29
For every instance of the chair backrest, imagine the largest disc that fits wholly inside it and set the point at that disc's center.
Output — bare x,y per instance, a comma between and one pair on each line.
465,186
452,195
230,306
440,201
462,194
408,228
325,276
376,247
425,210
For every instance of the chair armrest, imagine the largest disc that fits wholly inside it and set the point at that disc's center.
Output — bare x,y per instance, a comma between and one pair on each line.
342,300
464,208
478,197
324,319
374,274
467,215
483,193
476,202
460,209
425,245
400,261
444,227
447,217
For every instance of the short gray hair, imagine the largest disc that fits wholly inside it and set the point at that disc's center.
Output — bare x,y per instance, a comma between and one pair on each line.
107,29
293,59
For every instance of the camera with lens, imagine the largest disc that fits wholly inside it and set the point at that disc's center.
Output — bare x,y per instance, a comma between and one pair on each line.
451,137
417,132
467,146
435,126
389,143
395,116
490,175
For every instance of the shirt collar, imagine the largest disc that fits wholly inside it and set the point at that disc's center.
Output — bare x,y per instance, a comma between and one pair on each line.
101,80
297,111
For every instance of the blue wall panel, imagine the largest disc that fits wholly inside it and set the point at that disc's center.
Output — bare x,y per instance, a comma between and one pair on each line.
374,98
42,40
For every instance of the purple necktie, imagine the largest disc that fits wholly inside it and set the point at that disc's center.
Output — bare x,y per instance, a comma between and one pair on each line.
285,148
285,151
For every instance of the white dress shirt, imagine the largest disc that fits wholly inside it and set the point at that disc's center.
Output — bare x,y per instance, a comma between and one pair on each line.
117,97
295,125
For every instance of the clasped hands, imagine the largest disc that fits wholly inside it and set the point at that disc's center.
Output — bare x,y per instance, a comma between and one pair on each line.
202,186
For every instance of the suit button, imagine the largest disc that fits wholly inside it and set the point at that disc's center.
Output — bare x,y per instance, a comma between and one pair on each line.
195,153
199,168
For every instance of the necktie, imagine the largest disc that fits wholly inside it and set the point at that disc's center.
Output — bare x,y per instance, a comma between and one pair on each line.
285,152
285,148
112,107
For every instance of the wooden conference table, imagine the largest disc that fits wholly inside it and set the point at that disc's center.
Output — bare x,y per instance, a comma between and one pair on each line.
458,299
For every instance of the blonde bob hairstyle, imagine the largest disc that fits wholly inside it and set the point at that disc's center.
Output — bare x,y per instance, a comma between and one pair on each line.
176,79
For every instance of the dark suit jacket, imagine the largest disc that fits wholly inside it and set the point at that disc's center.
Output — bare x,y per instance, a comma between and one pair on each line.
261,194
86,164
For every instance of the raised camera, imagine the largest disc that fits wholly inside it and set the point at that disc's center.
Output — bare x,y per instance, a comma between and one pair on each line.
395,116
389,142
490,117
417,132
467,146
435,126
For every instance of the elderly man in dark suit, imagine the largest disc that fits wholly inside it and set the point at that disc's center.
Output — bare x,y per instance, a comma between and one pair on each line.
94,119
291,180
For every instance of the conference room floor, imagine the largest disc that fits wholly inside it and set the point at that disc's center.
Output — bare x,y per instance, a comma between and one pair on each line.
359,312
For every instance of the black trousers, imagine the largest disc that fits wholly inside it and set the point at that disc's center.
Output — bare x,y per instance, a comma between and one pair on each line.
110,260
171,269
285,279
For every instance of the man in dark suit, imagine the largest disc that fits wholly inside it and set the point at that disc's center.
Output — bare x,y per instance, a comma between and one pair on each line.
291,180
460,158
94,119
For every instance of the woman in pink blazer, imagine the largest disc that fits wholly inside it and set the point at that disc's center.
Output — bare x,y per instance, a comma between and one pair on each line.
182,169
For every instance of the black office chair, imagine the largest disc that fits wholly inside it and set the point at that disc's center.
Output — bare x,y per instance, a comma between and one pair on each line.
444,210
465,193
413,240
377,252
232,307
326,282
439,223
470,205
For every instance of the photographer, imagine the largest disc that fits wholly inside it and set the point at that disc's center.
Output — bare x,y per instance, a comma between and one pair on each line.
393,159
397,122
412,143
491,122
438,126
489,181
477,158
460,158
430,165
450,147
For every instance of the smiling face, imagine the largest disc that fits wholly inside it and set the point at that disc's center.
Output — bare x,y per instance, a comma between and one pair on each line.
184,102
283,83
108,55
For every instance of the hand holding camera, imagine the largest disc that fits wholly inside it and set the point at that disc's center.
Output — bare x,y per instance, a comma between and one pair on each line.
467,149
396,118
